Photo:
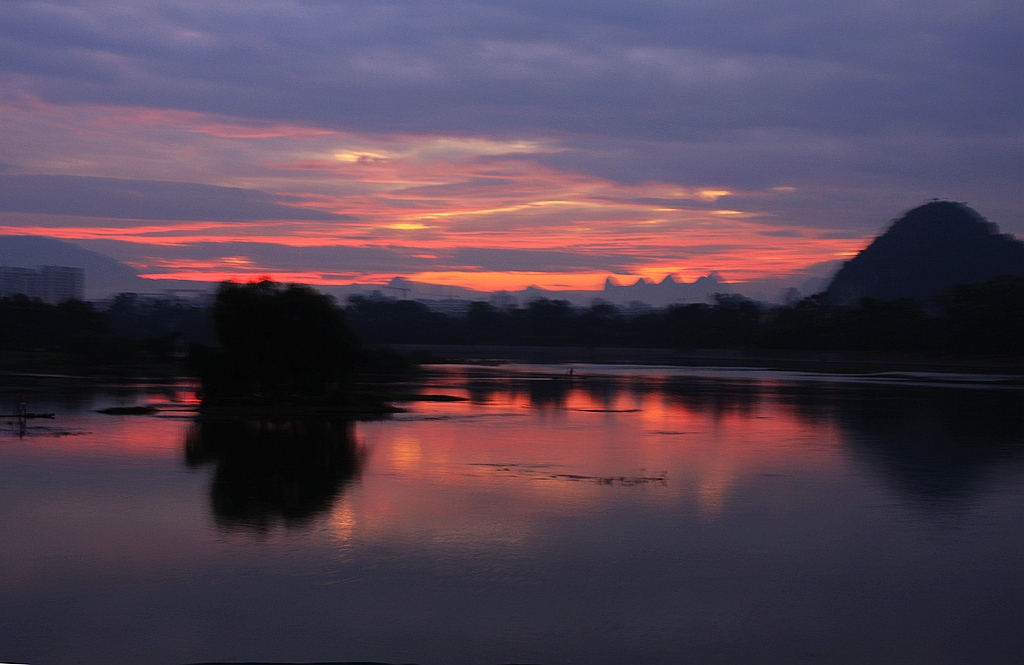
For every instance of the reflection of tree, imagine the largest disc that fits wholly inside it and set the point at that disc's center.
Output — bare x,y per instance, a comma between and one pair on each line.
936,445
542,390
270,472
547,392
715,396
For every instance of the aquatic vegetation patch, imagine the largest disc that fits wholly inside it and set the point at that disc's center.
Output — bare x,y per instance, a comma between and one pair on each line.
541,472
141,410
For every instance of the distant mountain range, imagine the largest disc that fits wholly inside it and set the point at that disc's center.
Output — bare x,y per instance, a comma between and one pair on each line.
666,292
926,252
105,277
642,292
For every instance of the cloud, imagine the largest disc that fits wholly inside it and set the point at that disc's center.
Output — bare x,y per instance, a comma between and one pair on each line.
655,70
145,200
549,135
541,260
357,259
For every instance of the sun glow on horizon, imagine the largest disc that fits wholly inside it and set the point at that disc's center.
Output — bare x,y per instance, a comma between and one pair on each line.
408,199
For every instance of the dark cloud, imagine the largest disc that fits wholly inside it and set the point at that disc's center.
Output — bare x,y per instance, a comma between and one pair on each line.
145,199
363,259
879,105
264,255
656,70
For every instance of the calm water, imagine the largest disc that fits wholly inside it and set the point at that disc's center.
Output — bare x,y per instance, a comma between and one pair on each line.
628,516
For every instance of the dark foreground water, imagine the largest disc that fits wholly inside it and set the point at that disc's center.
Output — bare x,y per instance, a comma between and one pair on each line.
628,516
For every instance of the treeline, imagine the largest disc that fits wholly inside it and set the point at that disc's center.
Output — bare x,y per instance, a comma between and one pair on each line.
133,334
160,318
986,319
129,336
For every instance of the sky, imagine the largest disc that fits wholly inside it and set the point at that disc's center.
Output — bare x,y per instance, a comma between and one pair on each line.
497,145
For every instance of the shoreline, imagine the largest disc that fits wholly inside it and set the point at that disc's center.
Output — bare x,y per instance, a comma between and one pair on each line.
805,361
493,355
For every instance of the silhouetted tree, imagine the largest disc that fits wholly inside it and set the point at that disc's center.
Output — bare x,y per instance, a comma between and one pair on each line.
274,341
160,318
485,324
548,322
986,317
883,325
601,325
397,321
71,335
980,319
27,323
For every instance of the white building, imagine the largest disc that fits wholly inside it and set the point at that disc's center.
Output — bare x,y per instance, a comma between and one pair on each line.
51,284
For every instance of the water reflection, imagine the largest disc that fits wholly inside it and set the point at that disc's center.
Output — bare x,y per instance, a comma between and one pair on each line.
636,517
716,397
271,473
933,445
937,447
694,393
76,394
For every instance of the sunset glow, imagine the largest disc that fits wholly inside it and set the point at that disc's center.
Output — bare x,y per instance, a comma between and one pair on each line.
555,161
418,196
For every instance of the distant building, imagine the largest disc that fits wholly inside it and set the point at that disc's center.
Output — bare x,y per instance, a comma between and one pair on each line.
51,284
451,306
503,300
186,297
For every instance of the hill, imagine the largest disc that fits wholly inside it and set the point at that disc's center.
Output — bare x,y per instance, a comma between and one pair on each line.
928,251
103,275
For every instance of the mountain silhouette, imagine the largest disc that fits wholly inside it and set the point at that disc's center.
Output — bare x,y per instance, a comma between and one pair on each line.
666,292
929,250
103,275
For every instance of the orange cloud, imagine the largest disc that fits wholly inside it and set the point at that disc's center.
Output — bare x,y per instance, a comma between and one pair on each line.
214,274
513,281
424,195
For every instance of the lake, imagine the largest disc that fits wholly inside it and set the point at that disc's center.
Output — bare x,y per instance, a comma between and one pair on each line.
622,515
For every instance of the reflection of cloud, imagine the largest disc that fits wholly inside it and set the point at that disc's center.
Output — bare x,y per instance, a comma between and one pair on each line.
711,494
720,471
714,439
343,522
583,440
406,453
